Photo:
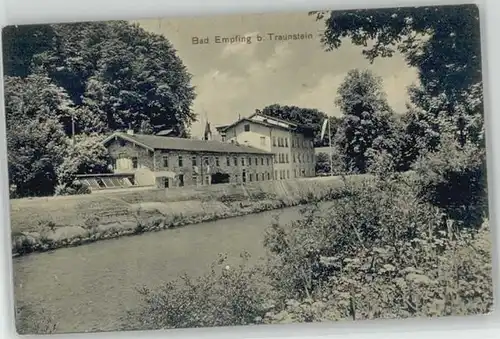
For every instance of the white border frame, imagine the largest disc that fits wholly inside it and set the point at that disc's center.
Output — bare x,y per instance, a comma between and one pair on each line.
49,11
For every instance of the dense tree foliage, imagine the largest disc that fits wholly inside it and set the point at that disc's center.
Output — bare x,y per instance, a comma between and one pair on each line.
36,148
41,154
442,42
368,123
115,72
94,77
304,116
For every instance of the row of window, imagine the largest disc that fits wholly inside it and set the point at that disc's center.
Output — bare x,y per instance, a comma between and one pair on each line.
282,158
278,175
243,160
282,141
296,142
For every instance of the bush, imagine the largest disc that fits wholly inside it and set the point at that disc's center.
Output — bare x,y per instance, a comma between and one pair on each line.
437,276
380,251
454,179
228,295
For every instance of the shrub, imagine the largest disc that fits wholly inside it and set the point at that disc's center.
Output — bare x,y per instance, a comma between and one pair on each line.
454,179
228,295
374,212
379,252
436,276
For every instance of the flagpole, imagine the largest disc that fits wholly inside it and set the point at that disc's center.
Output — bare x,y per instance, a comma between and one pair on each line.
331,150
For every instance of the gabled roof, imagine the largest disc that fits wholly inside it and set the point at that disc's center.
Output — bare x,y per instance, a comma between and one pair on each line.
267,117
154,142
266,121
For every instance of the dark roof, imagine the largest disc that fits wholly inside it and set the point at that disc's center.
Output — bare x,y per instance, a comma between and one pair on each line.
169,143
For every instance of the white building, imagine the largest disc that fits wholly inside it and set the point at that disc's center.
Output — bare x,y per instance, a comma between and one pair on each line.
291,144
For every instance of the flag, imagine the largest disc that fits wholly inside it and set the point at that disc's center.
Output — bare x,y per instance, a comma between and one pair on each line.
208,132
323,128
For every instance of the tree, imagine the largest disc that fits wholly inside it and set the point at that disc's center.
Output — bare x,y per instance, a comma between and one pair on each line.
86,154
322,163
368,121
304,116
40,154
21,44
116,73
36,96
36,148
442,42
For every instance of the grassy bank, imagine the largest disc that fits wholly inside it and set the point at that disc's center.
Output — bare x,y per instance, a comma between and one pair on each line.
47,224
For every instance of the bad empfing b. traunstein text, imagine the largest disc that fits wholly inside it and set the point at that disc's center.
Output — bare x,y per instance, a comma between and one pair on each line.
247,39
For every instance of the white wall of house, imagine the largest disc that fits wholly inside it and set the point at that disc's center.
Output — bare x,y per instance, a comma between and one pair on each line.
278,141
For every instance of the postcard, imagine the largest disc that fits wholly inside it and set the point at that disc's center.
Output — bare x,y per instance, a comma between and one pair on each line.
250,169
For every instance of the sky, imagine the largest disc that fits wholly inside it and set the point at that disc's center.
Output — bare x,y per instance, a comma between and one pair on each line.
233,80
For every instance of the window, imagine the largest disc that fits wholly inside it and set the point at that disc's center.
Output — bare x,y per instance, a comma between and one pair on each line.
193,161
280,142
244,176
217,161
295,173
275,174
303,173
205,161
275,158
223,138
287,174
242,161
267,161
294,159
268,176
180,161
298,155
195,179
134,162
228,161
249,161
165,161
263,141
262,177
286,142
250,177
262,161
235,161
247,128
274,141
287,158
181,177
256,161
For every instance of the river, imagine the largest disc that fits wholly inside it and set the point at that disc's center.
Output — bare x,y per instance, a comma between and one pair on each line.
90,287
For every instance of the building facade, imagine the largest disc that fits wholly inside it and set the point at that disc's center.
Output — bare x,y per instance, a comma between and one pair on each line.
164,162
291,144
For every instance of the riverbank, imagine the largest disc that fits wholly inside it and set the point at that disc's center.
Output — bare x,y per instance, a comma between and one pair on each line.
40,225
91,287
